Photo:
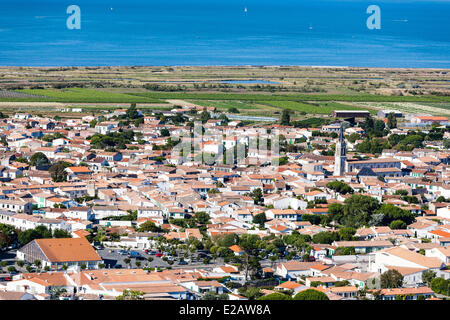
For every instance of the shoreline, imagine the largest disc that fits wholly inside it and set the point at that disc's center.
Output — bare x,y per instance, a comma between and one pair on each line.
232,66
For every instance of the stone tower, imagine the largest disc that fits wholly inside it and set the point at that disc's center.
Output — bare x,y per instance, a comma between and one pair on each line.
340,156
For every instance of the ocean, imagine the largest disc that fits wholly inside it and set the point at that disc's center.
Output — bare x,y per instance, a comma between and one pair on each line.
412,34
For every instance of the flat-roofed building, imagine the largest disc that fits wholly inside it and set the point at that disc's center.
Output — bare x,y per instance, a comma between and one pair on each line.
350,114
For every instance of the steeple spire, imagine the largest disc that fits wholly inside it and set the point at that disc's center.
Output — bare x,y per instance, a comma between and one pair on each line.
340,156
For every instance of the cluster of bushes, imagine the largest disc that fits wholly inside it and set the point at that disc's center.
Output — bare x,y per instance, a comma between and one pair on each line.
112,140
360,210
340,187
309,294
40,232
441,286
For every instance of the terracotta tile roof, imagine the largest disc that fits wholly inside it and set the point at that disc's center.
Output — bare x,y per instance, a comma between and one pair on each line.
289,285
235,248
79,169
417,258
68,249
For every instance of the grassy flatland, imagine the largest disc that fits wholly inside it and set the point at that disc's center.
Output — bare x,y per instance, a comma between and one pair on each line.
291,97
313,107
225,105
82,95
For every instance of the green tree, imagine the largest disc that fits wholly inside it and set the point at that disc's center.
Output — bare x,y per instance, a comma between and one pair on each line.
202,218
285,118
131,295
397,224
149,226
132,112
59,233
275,296
205,116
58,171
313,218
29,235
39,159
428,276
251,293
165,133
357,211
250,259
311,294
391,279
257,195
325,237
344,251
56,292
378,128
440,286
260,219
8,235
340,187
391,213
392,120
213,296
346,234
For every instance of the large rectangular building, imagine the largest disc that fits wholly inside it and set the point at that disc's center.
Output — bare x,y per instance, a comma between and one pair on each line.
55,253
350,113
353,166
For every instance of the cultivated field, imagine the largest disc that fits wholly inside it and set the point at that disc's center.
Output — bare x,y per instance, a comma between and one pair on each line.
268,90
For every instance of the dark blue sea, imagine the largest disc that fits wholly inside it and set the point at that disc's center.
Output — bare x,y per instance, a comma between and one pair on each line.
225,32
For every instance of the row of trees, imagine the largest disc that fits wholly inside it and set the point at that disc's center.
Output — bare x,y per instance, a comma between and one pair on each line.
10,235
308,294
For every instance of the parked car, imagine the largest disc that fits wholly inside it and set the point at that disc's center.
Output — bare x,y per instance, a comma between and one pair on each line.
5,277
159,254
182,263
135,254
117,266
123,252
150,252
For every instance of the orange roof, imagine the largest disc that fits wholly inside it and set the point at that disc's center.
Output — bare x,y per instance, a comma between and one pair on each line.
68,250
235,248
289,285
344,289
395,291
79,169
440,233
319,267
432,118
82,233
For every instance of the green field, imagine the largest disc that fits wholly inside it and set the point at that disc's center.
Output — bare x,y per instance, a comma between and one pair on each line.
247,103
82,95
224,105
79,95
312,108
291,97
